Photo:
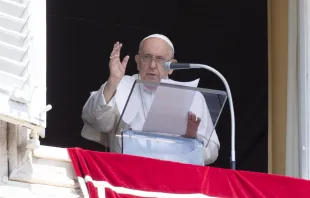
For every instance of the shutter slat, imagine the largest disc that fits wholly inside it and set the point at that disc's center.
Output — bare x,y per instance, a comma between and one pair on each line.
13,44
12,8
11,23
12,67
12,37
20,1
12,52
23,62
9,82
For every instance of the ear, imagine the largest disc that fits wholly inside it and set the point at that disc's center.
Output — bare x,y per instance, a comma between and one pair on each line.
137,62
173,61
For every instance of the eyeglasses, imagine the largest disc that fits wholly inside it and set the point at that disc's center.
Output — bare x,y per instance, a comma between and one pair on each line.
147,59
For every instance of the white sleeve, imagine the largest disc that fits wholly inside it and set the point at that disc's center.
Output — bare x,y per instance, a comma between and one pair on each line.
213,144
211,152
206,130
99,115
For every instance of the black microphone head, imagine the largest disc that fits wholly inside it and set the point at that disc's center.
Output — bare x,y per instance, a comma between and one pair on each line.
167,65
176,66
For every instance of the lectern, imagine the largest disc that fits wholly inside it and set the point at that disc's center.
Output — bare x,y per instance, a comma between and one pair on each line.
161,132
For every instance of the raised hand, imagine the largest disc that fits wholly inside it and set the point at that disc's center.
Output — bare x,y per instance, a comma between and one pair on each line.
117,71
117,68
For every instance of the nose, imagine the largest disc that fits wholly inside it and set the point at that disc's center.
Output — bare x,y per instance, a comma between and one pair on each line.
153,64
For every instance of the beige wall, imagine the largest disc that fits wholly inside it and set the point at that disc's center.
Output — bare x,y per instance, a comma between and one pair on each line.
278,51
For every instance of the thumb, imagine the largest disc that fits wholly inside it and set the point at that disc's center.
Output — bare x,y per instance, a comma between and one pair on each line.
125,61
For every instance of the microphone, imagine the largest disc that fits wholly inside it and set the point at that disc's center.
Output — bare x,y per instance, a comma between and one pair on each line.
176,66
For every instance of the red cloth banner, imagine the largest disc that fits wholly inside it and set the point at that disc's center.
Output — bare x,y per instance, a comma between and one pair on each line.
123,176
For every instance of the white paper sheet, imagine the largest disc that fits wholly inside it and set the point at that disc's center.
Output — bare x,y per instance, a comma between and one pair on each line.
169,109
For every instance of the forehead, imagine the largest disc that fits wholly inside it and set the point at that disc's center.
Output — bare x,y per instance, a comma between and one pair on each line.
155,46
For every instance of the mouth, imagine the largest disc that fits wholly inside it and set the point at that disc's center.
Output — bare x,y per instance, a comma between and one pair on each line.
151,76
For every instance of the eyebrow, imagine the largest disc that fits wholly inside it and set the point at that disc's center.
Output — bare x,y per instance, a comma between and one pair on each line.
159,56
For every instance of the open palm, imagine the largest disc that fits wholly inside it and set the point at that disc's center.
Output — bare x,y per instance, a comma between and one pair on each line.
117,68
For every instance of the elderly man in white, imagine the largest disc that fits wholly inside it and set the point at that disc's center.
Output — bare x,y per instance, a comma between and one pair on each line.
103,108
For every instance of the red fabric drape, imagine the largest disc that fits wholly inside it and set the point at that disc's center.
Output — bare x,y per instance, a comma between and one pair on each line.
151,175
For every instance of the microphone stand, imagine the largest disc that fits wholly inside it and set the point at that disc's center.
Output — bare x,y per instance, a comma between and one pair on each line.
231,106
169,66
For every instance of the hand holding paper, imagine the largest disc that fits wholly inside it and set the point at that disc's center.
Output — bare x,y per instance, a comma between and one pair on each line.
192,125
169,110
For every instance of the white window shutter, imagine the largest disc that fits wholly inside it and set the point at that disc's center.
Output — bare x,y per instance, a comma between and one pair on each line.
23,62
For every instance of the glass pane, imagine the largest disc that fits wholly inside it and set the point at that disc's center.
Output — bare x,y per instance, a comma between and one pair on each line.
158,132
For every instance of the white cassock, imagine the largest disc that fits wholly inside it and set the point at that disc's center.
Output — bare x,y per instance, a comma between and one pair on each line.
101,119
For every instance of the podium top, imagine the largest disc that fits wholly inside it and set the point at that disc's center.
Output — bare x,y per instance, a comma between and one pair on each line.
162,107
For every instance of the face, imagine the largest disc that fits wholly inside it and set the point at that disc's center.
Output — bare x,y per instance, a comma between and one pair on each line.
153,54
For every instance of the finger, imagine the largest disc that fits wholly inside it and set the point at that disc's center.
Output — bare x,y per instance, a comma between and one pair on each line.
125,61
114,57
194,123
115,44
191,124
194,117
190,115
118,50
114,51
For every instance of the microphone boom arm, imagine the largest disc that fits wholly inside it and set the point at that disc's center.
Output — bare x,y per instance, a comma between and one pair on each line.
172,66
231,106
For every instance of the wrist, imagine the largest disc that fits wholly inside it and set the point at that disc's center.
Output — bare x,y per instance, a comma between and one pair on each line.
110,89
112,83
